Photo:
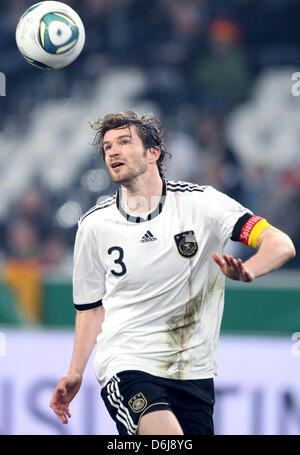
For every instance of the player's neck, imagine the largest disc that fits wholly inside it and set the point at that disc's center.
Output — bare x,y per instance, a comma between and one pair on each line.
143,194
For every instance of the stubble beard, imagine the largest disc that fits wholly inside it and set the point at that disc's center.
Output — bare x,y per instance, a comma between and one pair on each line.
128,180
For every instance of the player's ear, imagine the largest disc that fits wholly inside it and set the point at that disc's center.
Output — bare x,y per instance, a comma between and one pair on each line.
154,153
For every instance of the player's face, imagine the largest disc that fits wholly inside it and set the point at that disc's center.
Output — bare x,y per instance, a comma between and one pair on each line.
125,154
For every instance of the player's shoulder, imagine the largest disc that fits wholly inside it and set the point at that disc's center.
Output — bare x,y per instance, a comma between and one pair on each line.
182,186
188,187
97,210
192,193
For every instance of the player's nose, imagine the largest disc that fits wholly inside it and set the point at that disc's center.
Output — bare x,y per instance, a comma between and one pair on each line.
114,150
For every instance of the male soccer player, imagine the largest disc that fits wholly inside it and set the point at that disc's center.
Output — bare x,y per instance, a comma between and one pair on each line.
148,285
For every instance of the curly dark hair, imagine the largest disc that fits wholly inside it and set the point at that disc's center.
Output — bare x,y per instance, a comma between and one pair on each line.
148,127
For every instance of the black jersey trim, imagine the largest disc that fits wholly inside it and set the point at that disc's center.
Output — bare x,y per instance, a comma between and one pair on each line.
88,306
138,219
185,186
182,190
104,205
235,236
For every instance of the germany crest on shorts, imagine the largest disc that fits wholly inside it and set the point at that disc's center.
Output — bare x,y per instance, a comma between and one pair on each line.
138,403
186,244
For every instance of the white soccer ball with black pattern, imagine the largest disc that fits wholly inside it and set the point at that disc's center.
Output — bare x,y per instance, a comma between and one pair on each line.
50,35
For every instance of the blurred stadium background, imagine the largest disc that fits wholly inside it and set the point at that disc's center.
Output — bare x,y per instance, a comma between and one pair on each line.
219,74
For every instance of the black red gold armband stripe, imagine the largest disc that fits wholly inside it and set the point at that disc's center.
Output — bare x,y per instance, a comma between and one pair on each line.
252,229
248,229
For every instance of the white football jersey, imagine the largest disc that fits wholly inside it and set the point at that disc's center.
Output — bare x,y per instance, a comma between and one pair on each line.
162,292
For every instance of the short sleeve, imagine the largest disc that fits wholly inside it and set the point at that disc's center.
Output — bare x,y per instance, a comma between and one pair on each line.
223,213
88,272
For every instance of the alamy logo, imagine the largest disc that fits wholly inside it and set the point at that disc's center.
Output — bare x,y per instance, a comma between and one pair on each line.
2,84
296,86
295,350
2,345
148,237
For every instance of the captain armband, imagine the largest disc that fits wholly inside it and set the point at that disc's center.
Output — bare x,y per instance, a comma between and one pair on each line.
248,229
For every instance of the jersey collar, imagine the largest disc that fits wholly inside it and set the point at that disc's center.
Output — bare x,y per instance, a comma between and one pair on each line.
151,215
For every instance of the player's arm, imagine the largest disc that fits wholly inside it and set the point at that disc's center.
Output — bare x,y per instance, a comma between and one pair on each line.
275,248
88,326
88,290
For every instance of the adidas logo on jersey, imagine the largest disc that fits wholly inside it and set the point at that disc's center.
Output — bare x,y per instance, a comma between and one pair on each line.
148,237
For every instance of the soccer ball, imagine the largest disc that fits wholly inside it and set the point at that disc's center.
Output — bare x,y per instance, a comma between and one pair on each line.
50,35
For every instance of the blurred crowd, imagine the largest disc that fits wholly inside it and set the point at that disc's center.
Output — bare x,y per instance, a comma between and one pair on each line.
201,59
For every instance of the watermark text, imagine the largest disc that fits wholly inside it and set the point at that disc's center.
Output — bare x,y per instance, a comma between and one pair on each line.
295,350
296,86
2,84
2,345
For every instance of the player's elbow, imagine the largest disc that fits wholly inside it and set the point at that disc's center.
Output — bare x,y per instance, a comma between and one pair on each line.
288,247
279,248
279,240
291,251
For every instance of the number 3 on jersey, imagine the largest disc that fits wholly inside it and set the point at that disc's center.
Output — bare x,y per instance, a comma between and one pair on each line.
118,261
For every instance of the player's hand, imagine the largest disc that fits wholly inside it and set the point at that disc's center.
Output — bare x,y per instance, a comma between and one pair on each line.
63,394
233,268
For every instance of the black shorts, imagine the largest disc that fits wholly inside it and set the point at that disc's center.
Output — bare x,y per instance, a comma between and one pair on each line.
131,394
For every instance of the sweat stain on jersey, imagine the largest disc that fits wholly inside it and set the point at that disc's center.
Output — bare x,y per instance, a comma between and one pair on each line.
182,326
